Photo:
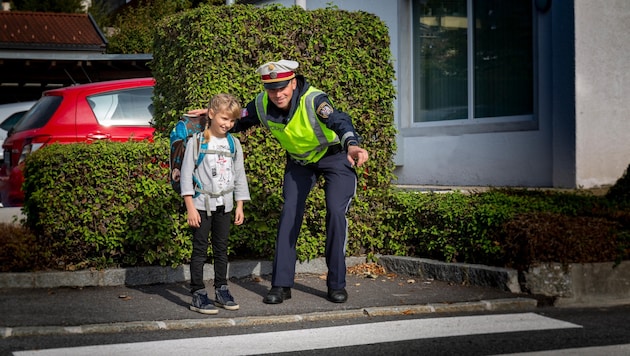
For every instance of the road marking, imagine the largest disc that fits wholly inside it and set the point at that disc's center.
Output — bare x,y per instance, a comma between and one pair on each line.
322,338
609,350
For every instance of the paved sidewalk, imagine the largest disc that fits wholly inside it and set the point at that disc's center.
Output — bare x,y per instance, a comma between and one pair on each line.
57,310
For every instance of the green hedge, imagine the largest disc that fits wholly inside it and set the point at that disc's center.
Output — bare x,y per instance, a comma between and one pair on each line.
104,203
508,227
110,204
346,54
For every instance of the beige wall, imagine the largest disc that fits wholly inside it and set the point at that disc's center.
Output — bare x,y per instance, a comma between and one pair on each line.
602,85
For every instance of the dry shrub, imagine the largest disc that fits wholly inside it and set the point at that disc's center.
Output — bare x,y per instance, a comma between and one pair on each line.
620,192
552,237
20,251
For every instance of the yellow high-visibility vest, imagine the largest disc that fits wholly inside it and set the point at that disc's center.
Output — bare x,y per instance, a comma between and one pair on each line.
304,137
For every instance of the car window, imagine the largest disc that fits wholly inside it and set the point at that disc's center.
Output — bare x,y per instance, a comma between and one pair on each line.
132,107
39,114
10,121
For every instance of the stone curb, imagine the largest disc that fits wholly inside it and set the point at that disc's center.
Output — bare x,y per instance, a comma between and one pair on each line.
461,273
148,275
508,304
595,284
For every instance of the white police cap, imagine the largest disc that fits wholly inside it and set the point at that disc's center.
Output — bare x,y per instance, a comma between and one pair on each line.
276,75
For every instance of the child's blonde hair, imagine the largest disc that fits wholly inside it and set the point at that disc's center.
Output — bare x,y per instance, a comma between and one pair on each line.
219,103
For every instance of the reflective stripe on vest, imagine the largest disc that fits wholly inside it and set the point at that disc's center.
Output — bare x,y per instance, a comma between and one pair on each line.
304,137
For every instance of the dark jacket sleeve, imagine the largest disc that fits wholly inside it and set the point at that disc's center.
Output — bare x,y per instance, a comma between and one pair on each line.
336,120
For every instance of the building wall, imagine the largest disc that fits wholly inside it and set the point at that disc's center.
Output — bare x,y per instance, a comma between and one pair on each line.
580,135
602,90
463,154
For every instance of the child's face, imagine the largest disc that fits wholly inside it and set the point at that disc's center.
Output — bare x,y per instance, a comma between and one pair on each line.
221,122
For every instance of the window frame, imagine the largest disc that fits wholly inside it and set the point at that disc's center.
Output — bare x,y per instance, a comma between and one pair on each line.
472,125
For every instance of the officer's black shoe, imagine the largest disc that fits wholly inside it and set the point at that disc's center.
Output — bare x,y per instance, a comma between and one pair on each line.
337,295
277,295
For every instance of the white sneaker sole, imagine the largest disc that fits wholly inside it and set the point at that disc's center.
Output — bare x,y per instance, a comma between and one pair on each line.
205,311
227,307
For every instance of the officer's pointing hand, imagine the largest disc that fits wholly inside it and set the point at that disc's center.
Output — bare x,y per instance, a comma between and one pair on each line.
357,155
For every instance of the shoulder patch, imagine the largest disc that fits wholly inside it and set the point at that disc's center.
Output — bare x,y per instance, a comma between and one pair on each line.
324,110
244,113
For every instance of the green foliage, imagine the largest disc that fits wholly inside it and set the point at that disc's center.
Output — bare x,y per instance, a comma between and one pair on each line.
135,25
197,53
109,204
67,6
100,12
105,203
619,193
508,227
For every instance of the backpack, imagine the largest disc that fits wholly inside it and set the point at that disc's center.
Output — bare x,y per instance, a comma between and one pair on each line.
188,126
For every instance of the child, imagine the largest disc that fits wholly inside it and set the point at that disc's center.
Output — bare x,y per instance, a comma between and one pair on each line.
209,205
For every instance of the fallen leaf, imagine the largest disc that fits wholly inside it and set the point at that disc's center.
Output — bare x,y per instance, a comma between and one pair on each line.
366,269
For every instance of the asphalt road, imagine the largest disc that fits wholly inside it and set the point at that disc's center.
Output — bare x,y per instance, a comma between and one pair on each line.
593,331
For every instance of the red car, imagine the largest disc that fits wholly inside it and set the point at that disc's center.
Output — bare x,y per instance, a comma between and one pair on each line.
113,110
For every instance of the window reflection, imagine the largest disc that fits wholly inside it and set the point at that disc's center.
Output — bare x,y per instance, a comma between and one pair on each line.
495,56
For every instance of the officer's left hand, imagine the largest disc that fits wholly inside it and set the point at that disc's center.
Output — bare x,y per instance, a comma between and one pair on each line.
357,155
197,112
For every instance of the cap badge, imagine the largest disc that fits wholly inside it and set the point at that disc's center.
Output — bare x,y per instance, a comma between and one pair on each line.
273,75
271,67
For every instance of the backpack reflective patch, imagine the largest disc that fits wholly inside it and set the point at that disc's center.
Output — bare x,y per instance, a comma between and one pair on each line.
186,127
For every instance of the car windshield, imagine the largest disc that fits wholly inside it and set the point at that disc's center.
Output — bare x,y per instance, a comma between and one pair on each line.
39,114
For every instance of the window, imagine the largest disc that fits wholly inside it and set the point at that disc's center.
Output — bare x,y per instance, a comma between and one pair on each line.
472,59
123,108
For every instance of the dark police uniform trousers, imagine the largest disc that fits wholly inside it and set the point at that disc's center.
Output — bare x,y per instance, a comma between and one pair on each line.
340,187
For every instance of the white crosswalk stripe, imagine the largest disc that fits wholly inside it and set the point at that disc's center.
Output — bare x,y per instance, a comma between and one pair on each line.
609,350
322,338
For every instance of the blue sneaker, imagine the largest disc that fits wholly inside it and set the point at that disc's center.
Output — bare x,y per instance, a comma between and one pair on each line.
202,304
224,299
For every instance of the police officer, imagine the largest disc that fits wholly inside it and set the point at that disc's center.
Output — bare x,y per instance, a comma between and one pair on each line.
320,141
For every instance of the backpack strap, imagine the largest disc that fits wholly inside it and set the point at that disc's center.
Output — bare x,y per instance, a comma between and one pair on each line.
199,153
231,143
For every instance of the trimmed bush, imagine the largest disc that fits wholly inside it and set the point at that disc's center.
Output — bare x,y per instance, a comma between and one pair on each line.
346,54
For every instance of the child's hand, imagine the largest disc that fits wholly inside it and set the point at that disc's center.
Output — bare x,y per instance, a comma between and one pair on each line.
239,216
194,219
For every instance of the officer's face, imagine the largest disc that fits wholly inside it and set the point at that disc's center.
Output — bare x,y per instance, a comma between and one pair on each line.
282,97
